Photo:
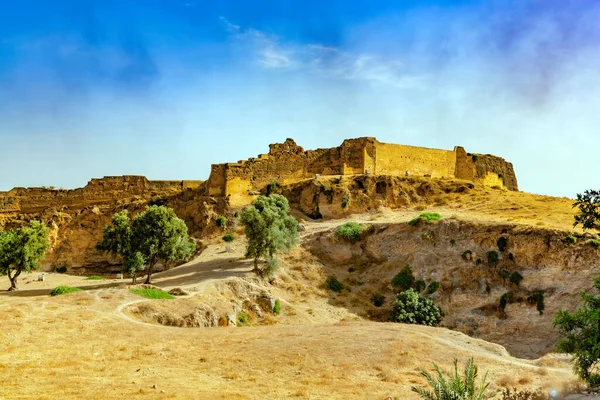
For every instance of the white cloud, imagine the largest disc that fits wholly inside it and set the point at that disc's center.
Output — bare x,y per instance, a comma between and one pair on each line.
270,51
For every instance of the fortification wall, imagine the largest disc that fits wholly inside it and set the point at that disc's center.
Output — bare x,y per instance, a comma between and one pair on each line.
289,163
107,190
396,159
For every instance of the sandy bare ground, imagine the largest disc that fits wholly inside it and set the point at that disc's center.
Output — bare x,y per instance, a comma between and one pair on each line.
83,345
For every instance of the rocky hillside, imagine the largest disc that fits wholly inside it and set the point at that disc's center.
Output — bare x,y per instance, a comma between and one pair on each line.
474,264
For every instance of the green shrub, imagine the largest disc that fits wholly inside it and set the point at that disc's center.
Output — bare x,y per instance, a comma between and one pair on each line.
273,187
427,217
433,287
236,214
571,239
595,243
61,269
537,298
345,201
152,293
228,237
242,319
454,387
467,255
334,285
475,157
412,308
378,300
64,290
404,279
492,258
277,307
502,244
94,278
350,231
420,285
452,242
504,274
516,278
221,221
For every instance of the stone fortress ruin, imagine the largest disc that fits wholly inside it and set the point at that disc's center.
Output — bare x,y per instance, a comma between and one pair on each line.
288,163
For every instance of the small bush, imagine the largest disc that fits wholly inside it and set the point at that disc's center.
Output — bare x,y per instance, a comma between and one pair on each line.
420,285
404,279
378,300
427,217
433,287
412,308
538,299
452,242
64,290
492,258
228,237
504,274
516,278
595,243
271,266
94,278
345,201
221,221
571,239
502,244
350,231
475,157
273,187
236,214
334,285
242,319
152,293
467,255
277,307
61,269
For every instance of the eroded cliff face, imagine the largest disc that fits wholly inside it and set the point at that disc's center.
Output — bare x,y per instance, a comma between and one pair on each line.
471,286
76,217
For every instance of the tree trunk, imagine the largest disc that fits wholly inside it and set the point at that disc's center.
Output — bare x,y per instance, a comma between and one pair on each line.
256,270
13,280
133,279
149,277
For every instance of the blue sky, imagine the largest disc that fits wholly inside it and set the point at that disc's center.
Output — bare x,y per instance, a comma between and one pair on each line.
165,88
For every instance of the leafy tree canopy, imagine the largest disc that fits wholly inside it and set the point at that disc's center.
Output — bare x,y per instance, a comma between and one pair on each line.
412,308
580,333
155,235
589,209
269,230
22,250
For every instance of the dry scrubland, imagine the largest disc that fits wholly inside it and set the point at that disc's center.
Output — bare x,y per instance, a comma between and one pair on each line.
91,345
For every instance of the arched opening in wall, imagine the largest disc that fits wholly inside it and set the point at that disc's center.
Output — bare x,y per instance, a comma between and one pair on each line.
380,187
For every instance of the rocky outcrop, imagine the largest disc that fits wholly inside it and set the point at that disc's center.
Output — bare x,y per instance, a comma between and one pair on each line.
470,288
77,217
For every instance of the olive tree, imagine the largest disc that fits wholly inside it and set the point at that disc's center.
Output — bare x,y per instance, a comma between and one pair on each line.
154,235
270,229
22,250
588,204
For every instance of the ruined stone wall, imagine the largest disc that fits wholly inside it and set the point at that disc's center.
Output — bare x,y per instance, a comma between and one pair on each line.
107,190
289,163
395,159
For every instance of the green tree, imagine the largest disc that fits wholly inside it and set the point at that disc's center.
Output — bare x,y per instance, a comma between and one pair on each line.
580,336
269,230
588,204
22,250
155,235
454,387
412,308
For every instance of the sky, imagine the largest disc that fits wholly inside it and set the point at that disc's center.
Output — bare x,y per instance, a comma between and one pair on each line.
165,88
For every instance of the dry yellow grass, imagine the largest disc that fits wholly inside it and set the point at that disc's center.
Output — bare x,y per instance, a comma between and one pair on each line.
82,346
